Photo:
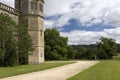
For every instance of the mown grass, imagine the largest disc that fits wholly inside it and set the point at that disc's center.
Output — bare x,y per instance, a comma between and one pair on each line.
105,70
12,71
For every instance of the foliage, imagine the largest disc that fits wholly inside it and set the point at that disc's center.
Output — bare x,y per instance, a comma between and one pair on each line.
71,52
7,41
24,44
106,48
15,42
56,46
85,53
118,48
80,51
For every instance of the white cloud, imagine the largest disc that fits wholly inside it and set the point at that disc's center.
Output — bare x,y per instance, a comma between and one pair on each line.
8,2
48,24
88,37
57,7
87,13
92,11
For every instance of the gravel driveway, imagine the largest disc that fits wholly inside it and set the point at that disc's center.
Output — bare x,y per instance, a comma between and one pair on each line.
58,73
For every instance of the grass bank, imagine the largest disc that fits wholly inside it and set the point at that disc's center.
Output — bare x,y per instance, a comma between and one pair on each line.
105,70
12,71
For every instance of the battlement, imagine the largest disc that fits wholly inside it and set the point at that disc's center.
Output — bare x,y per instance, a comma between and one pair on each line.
9,9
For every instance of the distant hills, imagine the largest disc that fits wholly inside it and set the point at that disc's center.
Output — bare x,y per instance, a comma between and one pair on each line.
93,46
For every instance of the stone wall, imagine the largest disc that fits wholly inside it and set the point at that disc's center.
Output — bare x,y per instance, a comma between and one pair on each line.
13,13
35,21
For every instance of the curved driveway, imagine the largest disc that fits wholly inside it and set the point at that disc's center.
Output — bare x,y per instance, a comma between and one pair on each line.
58,73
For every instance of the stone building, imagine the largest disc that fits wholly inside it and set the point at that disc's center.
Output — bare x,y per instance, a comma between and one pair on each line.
31,13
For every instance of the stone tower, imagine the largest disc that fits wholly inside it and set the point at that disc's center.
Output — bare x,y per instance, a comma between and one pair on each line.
32,15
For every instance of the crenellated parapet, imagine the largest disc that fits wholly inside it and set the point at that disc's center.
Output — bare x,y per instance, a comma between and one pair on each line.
9,9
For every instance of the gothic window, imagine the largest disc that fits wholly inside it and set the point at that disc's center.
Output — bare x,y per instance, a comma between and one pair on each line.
41,7
34,5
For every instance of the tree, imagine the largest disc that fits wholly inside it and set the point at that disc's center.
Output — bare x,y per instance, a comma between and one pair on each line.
80,53
90,53
24,44
56,46
71,52
7,41
15,42
85,52
106,48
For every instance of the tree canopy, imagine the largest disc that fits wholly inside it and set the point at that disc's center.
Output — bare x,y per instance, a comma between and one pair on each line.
56,46
106,48
8,49
15,42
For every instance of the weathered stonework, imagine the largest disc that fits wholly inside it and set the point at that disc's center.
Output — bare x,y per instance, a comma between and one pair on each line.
24,12
14,13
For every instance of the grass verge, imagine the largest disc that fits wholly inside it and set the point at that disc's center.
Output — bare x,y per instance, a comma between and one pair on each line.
17,70
105,70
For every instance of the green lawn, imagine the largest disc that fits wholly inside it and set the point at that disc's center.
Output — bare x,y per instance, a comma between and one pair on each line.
11,71
105,70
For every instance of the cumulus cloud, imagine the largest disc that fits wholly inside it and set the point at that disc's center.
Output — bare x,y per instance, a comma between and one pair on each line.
58,13
48,24
88,37
88,12
58,7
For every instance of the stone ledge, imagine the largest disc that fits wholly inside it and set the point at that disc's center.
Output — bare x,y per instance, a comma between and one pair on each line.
9,9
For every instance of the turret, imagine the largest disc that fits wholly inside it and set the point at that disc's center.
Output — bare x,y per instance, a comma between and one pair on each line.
32,15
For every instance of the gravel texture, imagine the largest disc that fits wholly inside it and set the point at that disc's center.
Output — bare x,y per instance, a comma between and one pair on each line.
58,73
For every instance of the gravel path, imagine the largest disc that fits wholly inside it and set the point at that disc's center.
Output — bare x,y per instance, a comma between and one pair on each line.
58,73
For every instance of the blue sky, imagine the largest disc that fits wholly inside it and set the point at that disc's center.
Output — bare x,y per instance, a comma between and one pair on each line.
74,25
82,21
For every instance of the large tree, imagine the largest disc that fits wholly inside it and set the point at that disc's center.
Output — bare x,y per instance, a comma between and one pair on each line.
106,48
56,46
7,41
15,42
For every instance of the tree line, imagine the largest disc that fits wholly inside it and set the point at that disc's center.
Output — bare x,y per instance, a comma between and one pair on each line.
15,42
104,49
57,48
